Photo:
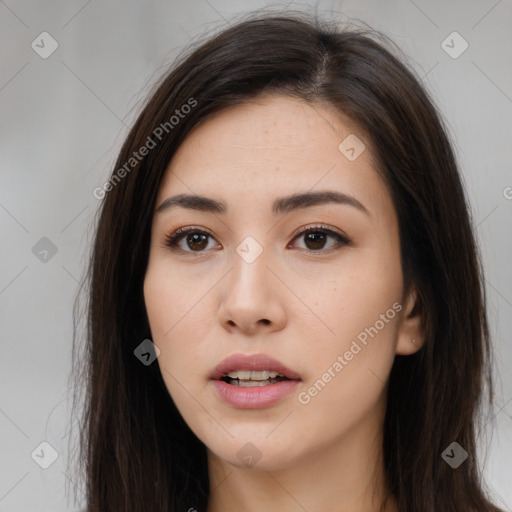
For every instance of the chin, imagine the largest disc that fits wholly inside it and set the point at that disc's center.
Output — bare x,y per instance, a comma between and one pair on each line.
246,453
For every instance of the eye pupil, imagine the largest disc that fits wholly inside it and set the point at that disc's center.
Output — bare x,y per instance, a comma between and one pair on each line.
196,236
316,238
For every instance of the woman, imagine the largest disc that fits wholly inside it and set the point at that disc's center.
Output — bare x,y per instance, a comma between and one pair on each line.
286,306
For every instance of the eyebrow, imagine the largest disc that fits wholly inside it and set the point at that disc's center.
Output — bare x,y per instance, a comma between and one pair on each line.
280,205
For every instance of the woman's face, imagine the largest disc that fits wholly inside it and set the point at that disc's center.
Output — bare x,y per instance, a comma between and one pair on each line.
327,304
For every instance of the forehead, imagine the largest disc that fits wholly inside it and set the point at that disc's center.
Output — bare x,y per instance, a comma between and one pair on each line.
275,145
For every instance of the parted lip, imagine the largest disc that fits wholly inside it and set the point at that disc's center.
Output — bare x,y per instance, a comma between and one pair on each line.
252,362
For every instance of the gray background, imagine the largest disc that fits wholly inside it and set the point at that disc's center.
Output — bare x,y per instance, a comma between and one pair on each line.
63,119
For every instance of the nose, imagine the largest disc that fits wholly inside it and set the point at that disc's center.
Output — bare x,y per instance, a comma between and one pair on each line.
252,297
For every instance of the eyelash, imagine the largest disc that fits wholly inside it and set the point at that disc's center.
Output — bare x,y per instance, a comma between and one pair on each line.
173,239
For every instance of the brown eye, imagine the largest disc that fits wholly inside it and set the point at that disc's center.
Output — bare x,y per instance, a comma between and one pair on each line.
315,238
195,240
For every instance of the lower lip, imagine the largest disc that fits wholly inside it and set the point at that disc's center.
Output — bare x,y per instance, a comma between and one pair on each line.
255,397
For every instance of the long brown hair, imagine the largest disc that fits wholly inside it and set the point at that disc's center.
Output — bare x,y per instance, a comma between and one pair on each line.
136,451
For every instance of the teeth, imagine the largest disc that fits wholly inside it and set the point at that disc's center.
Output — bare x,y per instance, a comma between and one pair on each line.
255,375
252,383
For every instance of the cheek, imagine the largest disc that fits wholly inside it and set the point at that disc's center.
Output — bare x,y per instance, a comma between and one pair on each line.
166,310
361,308
179,325
354,294
166,313
349,370
169,300
159,298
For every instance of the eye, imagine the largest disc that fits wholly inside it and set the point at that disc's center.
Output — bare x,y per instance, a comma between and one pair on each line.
197,239
316,236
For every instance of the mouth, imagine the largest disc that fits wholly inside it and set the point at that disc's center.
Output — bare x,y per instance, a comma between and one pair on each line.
252,370
253,381
253,378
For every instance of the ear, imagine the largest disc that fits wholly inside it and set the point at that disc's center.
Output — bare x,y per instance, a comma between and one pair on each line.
411,326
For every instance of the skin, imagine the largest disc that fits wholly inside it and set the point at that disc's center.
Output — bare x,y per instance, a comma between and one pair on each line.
204,306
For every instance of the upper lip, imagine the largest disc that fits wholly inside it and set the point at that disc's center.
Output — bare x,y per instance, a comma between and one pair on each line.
252,362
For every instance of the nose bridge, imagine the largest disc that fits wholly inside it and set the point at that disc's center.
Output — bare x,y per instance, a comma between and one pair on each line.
250,291
250,297
250,264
